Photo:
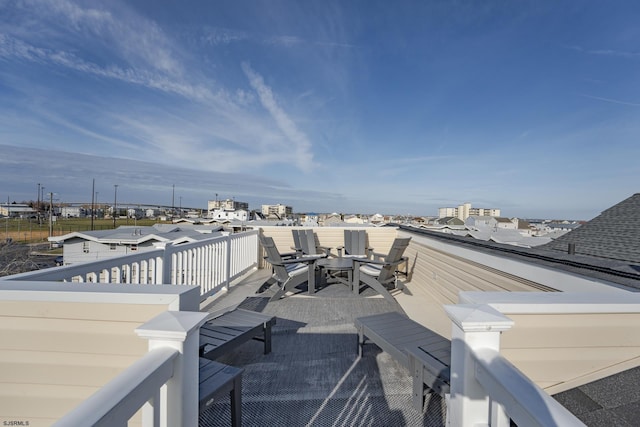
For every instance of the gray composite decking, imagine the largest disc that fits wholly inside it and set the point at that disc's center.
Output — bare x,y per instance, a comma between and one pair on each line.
313,375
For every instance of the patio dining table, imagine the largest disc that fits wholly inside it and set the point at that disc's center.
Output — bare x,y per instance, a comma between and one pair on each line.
335,270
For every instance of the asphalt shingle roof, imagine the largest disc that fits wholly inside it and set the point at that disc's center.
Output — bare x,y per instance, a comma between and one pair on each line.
614,234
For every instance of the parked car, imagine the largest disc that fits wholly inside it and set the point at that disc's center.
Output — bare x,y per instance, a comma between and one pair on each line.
59,260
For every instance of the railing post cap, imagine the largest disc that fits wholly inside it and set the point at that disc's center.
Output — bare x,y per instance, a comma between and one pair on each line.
478,318
171,325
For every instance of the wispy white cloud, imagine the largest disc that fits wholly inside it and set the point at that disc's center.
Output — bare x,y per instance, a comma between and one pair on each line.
222,36
613,101
138,40
301,143
11,48
606,52
236,137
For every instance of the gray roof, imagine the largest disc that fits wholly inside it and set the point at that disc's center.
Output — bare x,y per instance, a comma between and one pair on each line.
614,234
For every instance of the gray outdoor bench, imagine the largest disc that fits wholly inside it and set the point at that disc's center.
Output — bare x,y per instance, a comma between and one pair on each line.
425,354
218,380
217,337
229,330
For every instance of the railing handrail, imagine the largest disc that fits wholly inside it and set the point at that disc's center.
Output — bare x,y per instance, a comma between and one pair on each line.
116,402
53,274
524,401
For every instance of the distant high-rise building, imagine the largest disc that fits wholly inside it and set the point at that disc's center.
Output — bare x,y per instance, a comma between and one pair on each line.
465,210
281,210
226,205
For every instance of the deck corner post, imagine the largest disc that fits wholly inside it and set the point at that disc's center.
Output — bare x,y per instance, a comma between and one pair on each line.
473,327
178,400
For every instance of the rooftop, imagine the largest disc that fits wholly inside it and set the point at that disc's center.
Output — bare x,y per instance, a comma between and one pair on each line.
313,375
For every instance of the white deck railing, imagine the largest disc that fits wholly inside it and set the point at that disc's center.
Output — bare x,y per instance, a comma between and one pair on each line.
119,400
164,382
211,264
486,389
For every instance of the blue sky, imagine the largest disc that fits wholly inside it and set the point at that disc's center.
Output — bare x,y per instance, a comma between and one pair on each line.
397,107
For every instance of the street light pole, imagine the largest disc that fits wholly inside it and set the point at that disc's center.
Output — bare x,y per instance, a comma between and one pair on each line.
115,204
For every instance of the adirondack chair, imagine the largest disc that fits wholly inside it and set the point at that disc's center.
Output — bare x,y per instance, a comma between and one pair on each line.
355,245
288,273
306,244
381,274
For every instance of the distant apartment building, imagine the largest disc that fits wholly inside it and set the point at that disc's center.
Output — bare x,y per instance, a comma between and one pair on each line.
281,211
227,205
465,210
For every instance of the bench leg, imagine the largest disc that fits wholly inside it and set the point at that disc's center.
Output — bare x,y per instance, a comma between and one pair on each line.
361,339
236,402
267,338
418,383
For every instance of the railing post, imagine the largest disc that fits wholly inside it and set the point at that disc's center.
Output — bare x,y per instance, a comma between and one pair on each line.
166,263
227,266
474,327
179,397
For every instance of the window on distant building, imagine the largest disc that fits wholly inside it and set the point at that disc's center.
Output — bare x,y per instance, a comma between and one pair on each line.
112,246
85,247
134,248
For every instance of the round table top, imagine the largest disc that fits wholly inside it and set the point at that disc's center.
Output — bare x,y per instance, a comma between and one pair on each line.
336,263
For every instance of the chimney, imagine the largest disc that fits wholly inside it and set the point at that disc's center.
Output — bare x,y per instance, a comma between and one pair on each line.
571,249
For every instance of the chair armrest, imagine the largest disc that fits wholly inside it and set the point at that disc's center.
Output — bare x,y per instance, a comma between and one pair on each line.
286,255
377,262
326,249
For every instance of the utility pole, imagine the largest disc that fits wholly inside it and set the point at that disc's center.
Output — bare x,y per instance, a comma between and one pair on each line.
38,204
50,216
93,202
173,198
40,207
6,231
115,204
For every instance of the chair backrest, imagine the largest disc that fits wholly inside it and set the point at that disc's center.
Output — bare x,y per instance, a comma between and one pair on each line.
395,254
305,240
273,257
355,242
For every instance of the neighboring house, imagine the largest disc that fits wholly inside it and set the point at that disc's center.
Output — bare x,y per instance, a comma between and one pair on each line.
354,219
376,219
72,212
15,210
333,220
562,226
152,213
225,215
89,246
449,220
501,222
